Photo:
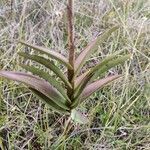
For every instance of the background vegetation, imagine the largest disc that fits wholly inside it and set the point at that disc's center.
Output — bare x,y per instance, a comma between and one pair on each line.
119,114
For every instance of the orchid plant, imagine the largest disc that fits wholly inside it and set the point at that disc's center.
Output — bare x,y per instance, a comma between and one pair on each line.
64,97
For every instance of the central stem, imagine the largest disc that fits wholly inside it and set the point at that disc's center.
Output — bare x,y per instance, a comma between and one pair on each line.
71,47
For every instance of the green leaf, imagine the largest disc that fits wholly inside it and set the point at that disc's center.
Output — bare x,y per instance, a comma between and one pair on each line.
95,86
97,74
80,78
37,84
85,54
105,65
78,117
47,77
50,53
108,63
48,101
49,64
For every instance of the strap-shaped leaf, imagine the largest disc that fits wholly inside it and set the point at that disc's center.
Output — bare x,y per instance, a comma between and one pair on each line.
95,86
50,53
38,84
102,67
85,54
47,77
48,101
80,78
47,63
97,72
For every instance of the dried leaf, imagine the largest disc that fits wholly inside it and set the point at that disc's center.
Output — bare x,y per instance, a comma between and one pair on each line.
78,117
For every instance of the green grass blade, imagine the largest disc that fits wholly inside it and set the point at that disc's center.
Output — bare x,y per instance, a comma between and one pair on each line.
38,84
47,77
85,54
47,63
50,53
48,101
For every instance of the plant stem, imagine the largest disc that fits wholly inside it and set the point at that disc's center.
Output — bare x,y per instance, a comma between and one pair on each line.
70,32
71,47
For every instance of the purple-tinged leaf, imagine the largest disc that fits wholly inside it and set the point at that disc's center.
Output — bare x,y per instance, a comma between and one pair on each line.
97,72
46,76
80,78
102,67
37,84
93,87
